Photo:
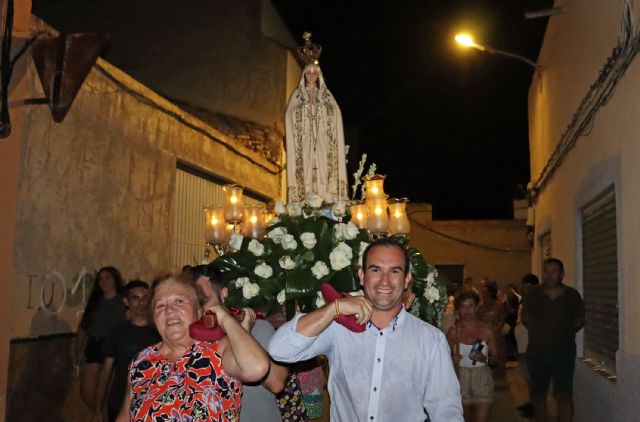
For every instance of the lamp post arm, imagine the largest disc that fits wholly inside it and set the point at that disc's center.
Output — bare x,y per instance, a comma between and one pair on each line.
492,50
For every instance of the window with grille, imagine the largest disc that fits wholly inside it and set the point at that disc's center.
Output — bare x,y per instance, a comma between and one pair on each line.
194,191
600,281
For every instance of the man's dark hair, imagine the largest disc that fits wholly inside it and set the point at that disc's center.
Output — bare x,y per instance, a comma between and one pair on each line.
133,284
530,279
213,274
390,241
554,261
492,287
464,296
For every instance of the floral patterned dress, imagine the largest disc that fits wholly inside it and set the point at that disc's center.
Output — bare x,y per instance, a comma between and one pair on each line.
195,388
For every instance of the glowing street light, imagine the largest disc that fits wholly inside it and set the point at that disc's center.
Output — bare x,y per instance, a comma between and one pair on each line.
466,40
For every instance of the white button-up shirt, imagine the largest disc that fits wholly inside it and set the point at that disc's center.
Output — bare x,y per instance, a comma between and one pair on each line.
398,374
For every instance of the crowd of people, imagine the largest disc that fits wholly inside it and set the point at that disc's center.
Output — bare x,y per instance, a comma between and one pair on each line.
140,361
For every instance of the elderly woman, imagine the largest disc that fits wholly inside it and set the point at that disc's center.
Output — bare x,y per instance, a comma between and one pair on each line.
185,379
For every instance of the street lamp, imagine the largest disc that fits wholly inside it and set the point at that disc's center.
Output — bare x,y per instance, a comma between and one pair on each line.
467,41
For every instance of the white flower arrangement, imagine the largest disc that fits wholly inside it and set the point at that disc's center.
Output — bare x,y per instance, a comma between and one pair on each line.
304,247
280,208
286,263
294,209
236,241
241,281
319,270
276,234
313,200
250,290
263,270
256,247
289,242
432,294
308,240
340,257
363,247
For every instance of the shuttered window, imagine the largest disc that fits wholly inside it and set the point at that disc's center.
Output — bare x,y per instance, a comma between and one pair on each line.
194,191
600,281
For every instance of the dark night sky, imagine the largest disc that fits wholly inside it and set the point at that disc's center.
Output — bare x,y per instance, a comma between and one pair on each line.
447,125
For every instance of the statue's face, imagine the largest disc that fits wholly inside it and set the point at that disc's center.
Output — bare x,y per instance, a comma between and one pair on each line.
311,76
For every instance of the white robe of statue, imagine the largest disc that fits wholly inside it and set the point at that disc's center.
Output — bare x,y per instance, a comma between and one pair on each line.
315,141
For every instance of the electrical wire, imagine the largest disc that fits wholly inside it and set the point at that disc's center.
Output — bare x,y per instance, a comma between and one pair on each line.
468,242
598,95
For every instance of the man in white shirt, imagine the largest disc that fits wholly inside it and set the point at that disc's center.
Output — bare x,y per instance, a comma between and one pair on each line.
399,369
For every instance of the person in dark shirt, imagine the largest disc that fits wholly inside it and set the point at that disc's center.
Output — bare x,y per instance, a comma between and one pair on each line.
553,313
124,343
104,311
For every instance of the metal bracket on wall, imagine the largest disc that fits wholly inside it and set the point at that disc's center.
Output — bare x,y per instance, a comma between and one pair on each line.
63,62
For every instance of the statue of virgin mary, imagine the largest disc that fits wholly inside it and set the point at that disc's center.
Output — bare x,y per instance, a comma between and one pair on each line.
316,160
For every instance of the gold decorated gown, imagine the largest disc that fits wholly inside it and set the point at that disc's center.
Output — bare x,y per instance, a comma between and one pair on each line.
315,145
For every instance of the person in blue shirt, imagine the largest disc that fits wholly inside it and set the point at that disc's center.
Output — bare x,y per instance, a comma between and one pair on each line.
398,369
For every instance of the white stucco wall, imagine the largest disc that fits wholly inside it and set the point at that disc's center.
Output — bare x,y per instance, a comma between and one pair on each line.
575,48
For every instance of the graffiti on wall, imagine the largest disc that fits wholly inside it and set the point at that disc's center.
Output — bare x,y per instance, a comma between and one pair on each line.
53,291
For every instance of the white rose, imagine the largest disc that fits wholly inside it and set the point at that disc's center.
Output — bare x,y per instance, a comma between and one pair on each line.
236,241
431,278
294,209
338,231
263,270
314,200
340,256
280,209
281,297
350,231
276,234
256,247
241,281
320,302
432,294
274,220
308,240
288,242
250,290
287,263
339,208
363,247
319,270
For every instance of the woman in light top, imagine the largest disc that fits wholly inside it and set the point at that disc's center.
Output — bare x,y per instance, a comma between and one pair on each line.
476,380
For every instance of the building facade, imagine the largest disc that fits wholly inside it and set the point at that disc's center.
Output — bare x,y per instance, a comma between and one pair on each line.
583,114
121,181
495,249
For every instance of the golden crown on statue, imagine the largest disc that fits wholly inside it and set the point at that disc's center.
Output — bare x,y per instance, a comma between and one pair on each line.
310,52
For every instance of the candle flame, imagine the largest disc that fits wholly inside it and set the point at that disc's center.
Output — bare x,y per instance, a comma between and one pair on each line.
214,221
374,189
253,219
398,214
378,211
233,199
360,216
